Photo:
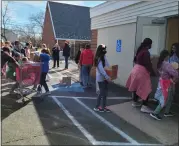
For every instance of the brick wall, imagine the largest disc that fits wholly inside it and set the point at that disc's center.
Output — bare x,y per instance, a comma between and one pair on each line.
48,35
94,37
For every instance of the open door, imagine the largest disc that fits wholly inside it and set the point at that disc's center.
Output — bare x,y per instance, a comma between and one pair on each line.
155,29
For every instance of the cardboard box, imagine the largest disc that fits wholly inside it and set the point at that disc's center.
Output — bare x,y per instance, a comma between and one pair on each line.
112,72
66,81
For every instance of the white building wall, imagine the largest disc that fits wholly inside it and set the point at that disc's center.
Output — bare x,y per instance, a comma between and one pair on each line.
128,14
123,59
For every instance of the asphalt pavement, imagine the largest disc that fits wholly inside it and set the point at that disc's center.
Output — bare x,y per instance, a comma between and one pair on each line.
66,117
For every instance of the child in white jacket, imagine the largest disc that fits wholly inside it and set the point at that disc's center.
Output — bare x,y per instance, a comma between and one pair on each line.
102,78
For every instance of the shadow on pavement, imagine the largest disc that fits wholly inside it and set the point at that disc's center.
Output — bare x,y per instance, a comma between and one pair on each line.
9,105
59,130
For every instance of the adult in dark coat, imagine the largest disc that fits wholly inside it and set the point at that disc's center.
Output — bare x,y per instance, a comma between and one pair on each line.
16,49
77,57
55,55
66,53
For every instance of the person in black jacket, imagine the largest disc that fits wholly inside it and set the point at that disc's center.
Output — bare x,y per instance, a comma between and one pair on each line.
23,51
55,55
66,53
77,58
16,49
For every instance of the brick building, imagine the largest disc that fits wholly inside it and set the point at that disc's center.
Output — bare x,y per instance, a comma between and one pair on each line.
67,22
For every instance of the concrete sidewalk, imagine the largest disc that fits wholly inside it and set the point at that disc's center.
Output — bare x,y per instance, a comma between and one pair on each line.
166,130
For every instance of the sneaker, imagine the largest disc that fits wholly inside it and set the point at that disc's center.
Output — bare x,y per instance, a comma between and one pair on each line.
38,94
99,109
145,109
136,104
96,109
107,110
168,115
155,116
84,87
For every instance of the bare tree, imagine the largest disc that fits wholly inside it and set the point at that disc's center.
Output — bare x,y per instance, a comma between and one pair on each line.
5,19
37,20
27,32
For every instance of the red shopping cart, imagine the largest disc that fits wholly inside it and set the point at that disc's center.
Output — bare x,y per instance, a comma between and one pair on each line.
28,74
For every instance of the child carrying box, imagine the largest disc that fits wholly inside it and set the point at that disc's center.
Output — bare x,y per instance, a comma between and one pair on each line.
102,78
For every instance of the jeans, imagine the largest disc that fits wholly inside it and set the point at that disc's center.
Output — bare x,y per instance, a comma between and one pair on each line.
43,81
80,76
86,79
66,62
103,88
136,97
56,60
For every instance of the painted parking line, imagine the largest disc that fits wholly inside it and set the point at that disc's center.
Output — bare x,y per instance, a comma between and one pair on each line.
114,128
75,122
93,98
91,139
125,144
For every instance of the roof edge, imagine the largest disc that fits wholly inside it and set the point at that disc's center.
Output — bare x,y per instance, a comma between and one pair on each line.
68,4
110,6
51,20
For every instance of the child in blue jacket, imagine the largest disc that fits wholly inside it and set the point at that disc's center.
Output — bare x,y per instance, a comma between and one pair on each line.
44,58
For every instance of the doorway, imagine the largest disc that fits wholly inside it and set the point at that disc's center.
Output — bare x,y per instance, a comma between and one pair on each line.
173,37
172,31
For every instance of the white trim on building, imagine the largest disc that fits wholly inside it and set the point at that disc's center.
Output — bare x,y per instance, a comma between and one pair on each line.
51,20
72,39
109,6
117,13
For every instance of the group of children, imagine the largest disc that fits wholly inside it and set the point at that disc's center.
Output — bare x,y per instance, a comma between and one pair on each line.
167,68
15,58
139,82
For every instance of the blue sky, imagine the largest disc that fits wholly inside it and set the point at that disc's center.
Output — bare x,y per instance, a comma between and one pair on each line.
21,10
